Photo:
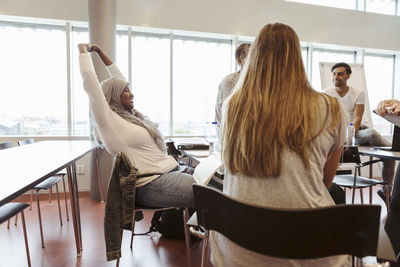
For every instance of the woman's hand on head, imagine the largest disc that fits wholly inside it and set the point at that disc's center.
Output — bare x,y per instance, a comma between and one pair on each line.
93,48
83,48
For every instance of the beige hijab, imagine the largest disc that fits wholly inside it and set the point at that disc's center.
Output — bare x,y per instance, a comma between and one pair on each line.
112,89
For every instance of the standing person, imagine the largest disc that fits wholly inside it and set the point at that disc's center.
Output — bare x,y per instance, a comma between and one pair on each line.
353,101
282,141
124,129
228,83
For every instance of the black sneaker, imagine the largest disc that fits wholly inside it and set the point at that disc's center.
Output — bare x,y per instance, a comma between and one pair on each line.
382,195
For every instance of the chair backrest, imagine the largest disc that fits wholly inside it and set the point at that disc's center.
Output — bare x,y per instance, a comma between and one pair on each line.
171,149
26,141
6,145
290,233
350,154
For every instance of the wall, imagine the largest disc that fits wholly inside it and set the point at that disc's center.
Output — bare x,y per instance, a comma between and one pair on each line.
312,23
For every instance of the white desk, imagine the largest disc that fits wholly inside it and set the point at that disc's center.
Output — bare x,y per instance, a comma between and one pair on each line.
26,166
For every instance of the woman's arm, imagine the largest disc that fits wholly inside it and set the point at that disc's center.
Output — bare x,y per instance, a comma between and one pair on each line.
331,164
111,67
103,115
103,56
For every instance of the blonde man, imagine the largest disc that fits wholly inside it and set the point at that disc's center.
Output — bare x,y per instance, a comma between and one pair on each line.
282,141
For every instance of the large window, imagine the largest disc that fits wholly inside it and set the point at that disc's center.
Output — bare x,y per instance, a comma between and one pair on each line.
199,66
33,80
174,78
381,6
347,4
379,77
80,103
151,78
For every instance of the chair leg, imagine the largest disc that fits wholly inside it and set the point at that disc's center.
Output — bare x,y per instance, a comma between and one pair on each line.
187,237
28,258
50,194
8,224
133,227
361,196
59,206
370,195
65,198
30,206
353,195
16,220
40,218
204,252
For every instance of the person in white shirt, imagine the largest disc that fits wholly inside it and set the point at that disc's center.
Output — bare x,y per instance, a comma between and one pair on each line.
228,83
124,129
353,101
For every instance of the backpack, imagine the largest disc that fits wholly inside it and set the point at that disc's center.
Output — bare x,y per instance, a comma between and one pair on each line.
169,223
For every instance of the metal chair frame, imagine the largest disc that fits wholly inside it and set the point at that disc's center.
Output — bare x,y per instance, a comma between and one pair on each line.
185,219
356,181
10,210
47,185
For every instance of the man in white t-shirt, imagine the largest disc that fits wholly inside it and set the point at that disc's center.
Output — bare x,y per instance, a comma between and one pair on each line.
353,101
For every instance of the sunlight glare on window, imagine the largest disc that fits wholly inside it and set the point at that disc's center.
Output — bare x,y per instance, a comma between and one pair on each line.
379,77
199,67
34,82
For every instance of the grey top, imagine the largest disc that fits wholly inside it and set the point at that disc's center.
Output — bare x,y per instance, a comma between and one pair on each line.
296,187
224,91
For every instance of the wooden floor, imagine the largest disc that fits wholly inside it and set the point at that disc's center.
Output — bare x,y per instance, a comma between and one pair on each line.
60,250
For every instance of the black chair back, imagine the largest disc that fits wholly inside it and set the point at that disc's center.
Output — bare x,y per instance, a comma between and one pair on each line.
6,145
290,233
26,142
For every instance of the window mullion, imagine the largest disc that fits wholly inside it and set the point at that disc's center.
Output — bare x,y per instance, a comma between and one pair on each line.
69,80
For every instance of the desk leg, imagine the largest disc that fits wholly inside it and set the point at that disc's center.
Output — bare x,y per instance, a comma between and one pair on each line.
98,175
78,210
74,211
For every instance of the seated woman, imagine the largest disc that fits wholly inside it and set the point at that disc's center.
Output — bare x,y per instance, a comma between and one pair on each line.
281,140
124,129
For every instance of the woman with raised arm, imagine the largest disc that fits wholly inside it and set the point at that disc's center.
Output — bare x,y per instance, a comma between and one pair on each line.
124,129
281,139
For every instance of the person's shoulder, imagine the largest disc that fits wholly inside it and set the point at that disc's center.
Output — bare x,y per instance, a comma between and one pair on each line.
329,91
229,79
355,90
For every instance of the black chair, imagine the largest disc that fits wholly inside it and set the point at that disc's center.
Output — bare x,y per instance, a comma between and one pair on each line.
5,146
10,210
356,181
288,233
47,185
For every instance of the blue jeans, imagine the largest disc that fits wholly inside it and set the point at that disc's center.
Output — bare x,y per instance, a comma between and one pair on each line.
172,189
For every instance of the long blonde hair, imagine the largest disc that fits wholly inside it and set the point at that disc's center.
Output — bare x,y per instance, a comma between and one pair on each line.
273,107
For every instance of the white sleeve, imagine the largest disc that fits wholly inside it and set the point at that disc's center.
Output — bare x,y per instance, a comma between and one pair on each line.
104,117
360,98
114,71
